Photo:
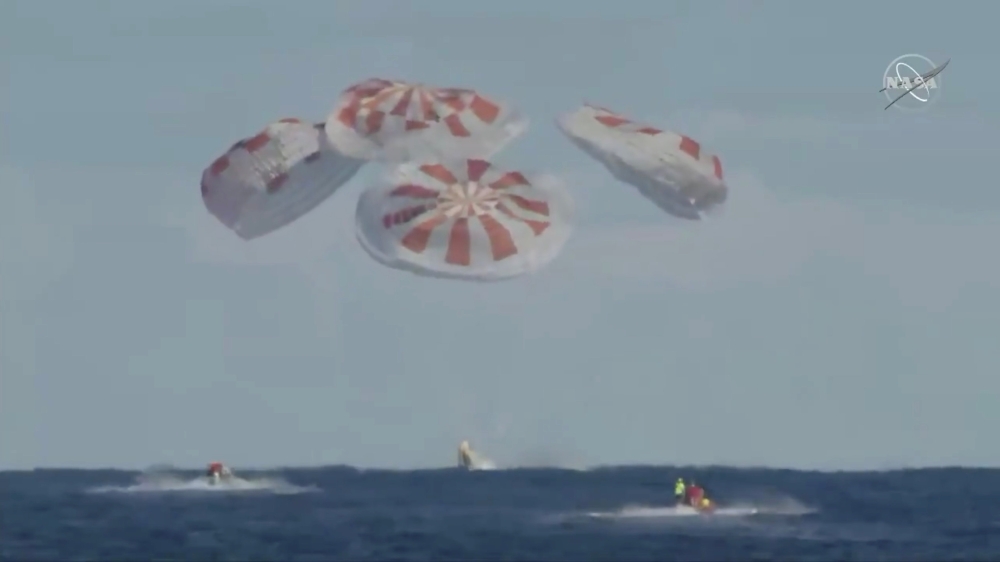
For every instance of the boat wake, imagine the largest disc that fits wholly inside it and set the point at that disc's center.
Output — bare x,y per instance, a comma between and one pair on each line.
634,512
167,483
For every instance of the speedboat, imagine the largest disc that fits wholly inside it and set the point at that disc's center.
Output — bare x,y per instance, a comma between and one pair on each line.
218,473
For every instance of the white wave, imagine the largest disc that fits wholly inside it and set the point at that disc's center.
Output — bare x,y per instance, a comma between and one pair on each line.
167,483
783,505
633,512
566,468
479,462
774,505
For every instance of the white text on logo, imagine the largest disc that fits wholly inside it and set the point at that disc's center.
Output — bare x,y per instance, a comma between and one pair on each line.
905,83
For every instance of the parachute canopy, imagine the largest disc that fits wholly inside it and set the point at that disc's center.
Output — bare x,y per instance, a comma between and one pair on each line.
670,169
267,181
398,121
463,219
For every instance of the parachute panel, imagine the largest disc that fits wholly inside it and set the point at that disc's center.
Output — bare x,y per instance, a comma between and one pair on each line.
267,181
668,168
399,121
464,219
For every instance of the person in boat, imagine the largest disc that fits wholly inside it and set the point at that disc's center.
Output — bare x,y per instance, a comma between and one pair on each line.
695,494
680,492
217,471
698,499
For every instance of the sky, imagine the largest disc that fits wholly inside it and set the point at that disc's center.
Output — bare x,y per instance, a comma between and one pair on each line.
840,313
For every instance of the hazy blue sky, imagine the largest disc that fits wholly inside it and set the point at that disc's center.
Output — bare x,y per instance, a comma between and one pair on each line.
841,313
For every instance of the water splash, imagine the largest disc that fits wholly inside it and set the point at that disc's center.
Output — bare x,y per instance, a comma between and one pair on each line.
160,482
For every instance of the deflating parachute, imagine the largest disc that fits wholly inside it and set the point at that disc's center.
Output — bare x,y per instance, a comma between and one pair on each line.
267,181
393,120
668,168
463,219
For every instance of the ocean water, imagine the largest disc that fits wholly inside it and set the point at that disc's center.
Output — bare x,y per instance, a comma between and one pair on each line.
532,514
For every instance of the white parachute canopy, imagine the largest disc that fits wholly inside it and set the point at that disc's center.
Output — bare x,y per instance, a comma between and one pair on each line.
265,182
464,219
398,121
670,169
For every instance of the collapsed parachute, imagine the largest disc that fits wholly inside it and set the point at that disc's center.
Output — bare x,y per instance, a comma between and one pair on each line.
265,182
393,120
463,219
668,168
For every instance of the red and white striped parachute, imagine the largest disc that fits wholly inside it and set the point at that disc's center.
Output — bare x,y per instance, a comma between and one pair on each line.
393,120
267,181
670,169
464,219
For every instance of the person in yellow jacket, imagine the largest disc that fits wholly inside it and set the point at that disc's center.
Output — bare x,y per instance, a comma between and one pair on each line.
680,492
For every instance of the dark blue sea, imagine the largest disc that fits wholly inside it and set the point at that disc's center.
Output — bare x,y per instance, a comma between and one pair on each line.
602,514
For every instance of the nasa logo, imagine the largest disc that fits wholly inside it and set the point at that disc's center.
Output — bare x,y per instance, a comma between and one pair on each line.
911,82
